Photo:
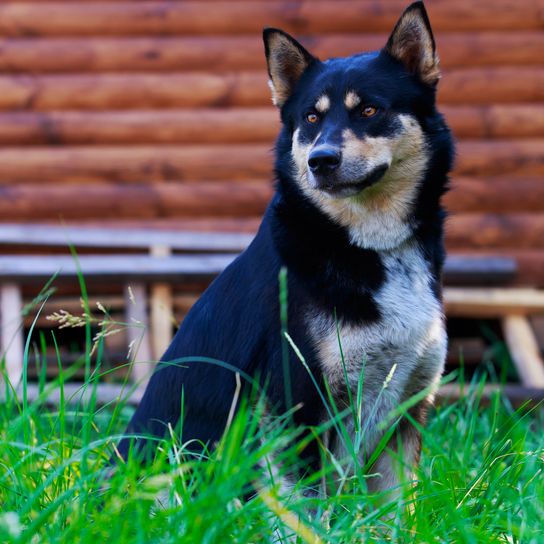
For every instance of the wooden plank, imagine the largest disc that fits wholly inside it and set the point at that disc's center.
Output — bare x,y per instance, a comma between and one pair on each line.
236,162
136,163
227,52
188,17
524,350
495,121
11,330
138,333
230,125
475,196
493,158
96,237
204,266
112,393
162,313
45,92
105,267
467,270
499,194
516,394
110,91
219,125
530,262
516,231
127,201
479,197
492,303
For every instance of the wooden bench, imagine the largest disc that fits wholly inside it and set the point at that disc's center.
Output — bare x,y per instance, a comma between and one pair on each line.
202,257
200,261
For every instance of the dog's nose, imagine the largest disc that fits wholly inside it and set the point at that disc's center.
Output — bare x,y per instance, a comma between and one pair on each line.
324,160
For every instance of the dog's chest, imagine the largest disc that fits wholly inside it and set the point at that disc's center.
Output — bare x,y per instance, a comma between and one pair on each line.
409,329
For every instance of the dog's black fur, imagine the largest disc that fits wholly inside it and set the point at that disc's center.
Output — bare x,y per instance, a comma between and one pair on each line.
237,319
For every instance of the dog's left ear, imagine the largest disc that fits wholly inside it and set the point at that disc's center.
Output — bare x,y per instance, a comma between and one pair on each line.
287,60
412,43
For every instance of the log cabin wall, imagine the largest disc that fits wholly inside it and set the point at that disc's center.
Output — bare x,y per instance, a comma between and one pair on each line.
157,113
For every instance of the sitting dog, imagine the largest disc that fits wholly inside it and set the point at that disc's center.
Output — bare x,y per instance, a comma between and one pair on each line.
362,162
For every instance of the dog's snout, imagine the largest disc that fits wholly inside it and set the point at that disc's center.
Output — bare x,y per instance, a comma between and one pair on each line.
324,160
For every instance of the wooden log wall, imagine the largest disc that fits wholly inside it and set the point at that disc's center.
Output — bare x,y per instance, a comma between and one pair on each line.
157,113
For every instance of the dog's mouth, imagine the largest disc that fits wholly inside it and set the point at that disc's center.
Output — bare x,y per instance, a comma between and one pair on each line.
352,188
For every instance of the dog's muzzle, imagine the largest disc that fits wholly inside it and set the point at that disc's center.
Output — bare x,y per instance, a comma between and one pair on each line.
335,186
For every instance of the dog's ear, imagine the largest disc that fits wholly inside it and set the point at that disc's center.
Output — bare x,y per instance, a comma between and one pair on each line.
286,60
412,43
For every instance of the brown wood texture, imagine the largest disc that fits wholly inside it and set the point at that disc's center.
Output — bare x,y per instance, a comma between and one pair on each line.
224,198
157,113
168,17
511,230
43,92
154,163
230,125
223,53
149,201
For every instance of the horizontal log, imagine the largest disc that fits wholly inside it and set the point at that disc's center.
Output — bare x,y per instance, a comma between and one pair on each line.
38,235
492,303
493,158
108,393
489,121
229,125
50,201
475,270
494,231
136,163
43,92
35,269
486,85
222,125
222,198
190,17
530,262
222,53
496,195
81,91
152,163
517,395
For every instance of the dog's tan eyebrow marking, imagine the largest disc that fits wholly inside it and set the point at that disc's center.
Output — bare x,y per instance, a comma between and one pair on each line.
351,100
323,104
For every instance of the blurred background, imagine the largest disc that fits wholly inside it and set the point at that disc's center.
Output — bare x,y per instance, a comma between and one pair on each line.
123,118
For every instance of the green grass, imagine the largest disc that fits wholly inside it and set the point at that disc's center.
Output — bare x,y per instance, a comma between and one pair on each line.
480,479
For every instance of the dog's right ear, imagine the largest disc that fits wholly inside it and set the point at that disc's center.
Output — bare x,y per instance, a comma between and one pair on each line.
286,60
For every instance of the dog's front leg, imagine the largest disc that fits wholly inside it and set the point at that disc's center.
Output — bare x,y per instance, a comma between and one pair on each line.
396,465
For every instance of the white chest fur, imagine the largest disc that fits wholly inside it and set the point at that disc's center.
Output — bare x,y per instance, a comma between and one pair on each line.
410,336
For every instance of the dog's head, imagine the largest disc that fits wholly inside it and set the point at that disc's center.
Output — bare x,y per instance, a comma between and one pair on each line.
356,126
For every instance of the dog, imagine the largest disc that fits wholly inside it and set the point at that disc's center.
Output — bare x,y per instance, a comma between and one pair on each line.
362,161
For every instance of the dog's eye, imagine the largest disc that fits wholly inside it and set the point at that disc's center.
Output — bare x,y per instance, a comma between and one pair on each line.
312,118
369,111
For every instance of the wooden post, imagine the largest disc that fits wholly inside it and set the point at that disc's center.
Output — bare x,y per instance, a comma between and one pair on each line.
11,330
523,348
138,332
162,310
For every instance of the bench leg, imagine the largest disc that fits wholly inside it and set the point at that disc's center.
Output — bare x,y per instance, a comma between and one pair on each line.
11,330
524,350
138,332
161,318
162,309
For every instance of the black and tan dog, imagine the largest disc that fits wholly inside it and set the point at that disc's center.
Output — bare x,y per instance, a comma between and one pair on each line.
362,162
